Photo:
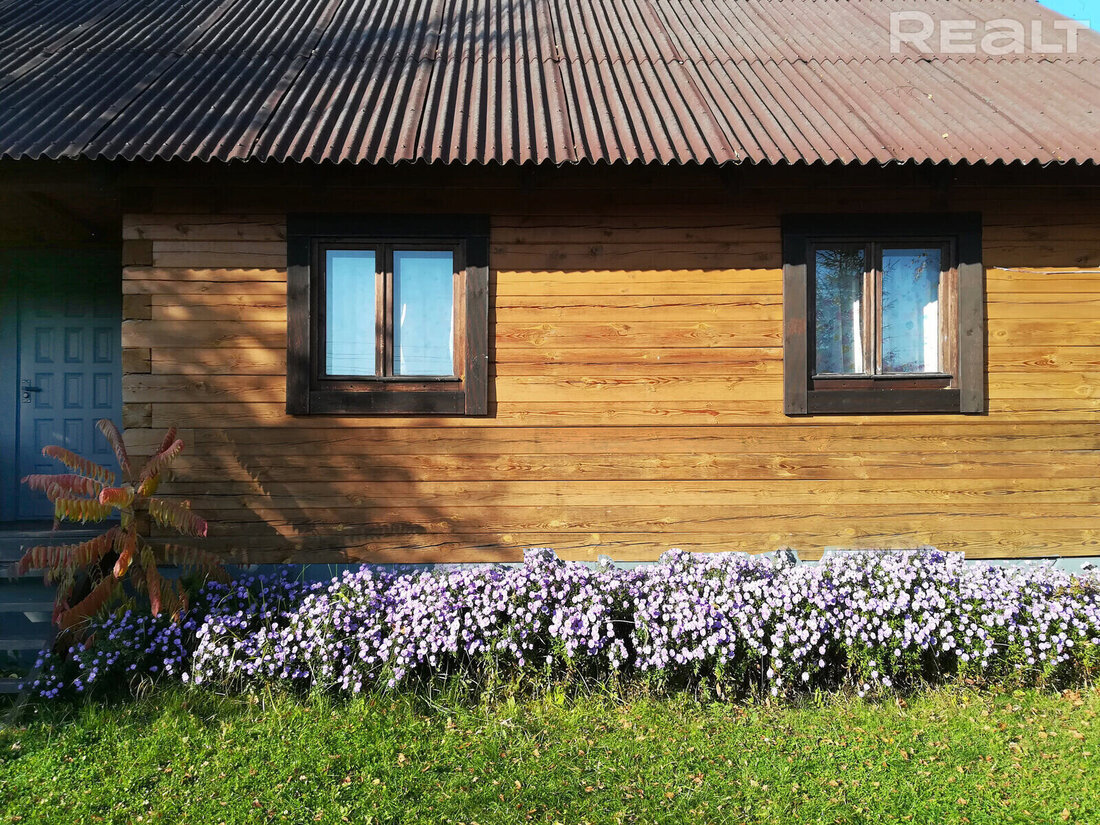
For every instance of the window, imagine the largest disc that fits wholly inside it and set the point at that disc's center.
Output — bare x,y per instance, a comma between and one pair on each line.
883,314
387,314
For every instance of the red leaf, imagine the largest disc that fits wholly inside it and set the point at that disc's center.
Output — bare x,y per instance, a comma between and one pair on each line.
78,464
129,546
56,485
110,431
169,439
89,606
117,496
153,580
161,460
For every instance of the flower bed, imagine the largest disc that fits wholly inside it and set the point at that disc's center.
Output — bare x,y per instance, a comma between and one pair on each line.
866,620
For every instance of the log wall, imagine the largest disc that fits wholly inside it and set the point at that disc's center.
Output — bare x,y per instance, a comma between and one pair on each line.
635,386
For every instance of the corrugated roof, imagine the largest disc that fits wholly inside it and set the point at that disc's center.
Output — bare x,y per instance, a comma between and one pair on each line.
543,81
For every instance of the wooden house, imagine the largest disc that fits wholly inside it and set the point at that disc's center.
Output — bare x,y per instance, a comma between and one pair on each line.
428,280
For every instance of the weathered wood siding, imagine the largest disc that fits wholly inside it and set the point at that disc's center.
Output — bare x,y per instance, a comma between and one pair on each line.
636,392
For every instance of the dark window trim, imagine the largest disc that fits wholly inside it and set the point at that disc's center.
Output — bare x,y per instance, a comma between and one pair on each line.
311,393
804,394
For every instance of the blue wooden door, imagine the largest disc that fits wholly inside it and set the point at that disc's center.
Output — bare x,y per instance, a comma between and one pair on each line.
69,374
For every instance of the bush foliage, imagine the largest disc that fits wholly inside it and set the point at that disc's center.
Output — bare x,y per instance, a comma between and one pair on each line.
730,623
90,574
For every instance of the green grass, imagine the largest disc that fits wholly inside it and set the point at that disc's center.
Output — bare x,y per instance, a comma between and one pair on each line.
187,756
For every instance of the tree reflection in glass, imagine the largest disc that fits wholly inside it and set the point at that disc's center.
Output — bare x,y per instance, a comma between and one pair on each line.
839,273
911,310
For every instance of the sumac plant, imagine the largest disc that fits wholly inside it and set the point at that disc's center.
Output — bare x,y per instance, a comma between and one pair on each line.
93,573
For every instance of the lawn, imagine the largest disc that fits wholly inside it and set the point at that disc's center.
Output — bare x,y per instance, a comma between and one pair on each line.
189,756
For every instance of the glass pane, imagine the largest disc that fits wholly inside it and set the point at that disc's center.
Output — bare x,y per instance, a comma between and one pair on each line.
839,309
350,312
423,313
911,310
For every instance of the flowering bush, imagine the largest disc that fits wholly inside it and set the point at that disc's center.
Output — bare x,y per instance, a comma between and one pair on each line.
738,622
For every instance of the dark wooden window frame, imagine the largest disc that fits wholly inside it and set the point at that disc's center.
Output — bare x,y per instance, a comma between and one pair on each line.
960,390
310,391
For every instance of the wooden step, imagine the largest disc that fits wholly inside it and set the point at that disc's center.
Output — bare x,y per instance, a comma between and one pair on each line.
25,605
10,685
23,643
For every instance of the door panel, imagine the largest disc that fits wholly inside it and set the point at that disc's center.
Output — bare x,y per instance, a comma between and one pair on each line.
69,365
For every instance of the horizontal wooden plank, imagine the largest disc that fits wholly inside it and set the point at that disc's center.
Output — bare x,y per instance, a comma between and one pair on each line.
976,435
513,389
726,282
212,259
1006,357
606,236
736,367
252,288
273,308
258,309
732,519
1009,296
214,253
557,258
1044,333
685,218
1066,312
262,334
175,333
678,361
1083,253
1068,389
219,361
508,547
673,414
179,274
1021,274
748,308
211,495
659,334
626,356
732,466
209,227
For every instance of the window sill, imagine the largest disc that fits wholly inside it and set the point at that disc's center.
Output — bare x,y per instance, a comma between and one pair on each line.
887,400
388,402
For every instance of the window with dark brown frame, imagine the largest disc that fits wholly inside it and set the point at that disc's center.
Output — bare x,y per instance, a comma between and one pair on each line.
883,314
387,314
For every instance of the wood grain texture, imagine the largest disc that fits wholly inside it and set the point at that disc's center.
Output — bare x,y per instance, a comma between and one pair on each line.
635,381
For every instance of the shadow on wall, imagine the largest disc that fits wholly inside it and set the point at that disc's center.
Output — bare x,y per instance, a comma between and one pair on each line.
636,405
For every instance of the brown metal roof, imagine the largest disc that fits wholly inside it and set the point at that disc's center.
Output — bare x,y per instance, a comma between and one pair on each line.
544,81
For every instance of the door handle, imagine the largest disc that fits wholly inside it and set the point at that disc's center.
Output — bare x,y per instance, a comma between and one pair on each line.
28,389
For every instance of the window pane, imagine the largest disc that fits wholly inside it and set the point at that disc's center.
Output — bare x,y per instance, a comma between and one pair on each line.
423,313
911,310
350,312
839,309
